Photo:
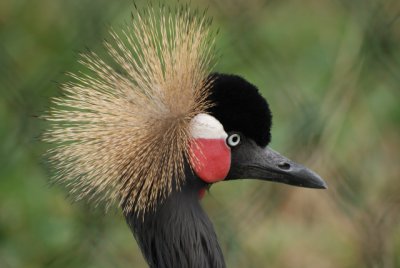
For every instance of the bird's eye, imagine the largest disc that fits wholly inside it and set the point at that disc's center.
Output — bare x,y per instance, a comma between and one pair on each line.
233,140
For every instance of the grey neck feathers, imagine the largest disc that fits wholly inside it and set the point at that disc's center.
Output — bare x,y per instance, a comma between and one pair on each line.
178,234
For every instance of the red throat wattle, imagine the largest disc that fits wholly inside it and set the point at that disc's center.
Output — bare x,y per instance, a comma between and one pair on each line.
210,155
211,159
201,193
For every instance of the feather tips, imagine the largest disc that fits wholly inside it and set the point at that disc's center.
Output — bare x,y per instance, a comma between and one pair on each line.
122,137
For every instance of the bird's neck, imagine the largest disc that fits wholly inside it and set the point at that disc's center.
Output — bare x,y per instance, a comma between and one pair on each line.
178,234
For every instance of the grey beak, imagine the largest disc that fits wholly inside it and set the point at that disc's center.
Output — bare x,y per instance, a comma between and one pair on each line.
267,164
275,167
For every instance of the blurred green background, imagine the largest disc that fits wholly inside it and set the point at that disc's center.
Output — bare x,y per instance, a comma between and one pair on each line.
331,72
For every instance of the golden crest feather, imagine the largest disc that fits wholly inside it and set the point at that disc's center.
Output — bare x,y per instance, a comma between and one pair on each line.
122,136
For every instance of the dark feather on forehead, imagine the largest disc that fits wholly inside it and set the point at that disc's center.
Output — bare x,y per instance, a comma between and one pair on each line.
240,107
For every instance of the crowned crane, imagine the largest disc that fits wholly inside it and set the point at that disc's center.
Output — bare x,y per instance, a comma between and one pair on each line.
154,134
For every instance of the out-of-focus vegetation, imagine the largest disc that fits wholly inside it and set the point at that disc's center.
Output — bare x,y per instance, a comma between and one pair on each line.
331,72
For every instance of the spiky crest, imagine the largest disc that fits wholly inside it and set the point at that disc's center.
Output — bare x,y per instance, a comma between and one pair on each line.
122,136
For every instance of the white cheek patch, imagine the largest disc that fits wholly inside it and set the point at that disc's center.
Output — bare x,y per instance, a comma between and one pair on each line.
204,126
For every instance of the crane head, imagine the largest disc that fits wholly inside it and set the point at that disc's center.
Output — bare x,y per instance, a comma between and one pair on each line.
232,141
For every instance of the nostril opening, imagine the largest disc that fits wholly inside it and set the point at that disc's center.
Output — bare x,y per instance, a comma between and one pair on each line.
284,166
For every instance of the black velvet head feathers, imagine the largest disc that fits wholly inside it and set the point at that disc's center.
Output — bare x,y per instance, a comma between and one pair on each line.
240,107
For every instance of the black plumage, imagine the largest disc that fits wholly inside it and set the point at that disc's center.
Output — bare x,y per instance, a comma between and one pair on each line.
178,233
240,107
